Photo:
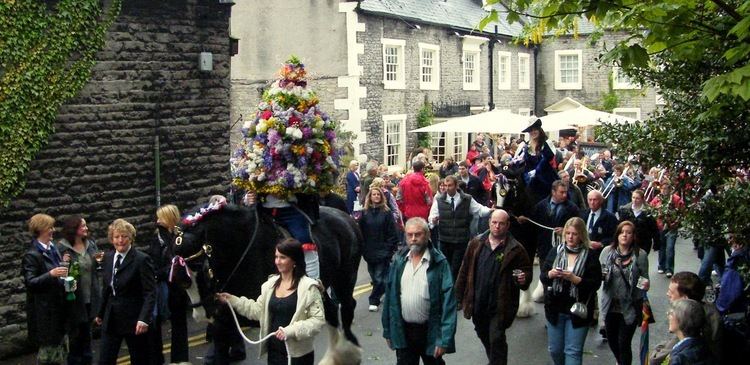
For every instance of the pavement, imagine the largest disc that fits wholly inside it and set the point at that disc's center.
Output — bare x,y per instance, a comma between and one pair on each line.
527,338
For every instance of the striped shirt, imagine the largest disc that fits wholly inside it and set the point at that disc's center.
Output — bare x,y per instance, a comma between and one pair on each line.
415,293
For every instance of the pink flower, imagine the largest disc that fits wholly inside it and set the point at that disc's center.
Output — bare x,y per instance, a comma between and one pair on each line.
267,114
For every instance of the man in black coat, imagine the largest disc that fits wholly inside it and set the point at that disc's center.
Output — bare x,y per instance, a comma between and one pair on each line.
638,212
552,211
128,297
471,184
601,224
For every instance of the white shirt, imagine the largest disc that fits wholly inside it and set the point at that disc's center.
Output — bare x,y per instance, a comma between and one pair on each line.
474,208
637,211
415,292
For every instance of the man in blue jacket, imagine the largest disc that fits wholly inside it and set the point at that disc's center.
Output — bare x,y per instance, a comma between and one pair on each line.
414,327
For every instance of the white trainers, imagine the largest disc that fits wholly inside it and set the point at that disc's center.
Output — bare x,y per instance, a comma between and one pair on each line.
372,308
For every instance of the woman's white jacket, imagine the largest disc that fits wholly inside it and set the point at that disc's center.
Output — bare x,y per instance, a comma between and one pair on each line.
307,320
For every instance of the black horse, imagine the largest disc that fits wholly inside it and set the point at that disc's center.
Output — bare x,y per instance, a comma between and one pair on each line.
509,193
238,245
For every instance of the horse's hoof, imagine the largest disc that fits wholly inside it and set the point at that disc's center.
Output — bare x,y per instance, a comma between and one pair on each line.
525,311
538,294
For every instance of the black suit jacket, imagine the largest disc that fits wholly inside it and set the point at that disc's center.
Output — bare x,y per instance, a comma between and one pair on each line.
134,293
542,214
474,188
604,228
646,231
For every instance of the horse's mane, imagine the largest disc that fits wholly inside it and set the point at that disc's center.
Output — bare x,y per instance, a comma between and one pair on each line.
203,211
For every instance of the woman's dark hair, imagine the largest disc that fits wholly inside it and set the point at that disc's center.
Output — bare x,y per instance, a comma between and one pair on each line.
633,246
292,248
70,227
541,140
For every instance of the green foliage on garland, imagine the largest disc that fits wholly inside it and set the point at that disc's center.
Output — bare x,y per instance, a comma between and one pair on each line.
46,56
424,119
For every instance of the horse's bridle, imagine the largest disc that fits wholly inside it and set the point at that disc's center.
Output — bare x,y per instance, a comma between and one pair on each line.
207,249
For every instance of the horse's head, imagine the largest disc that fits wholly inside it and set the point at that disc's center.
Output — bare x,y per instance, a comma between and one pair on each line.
510,190
213,240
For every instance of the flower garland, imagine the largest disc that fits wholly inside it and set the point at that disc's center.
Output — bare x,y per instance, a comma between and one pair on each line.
289,147
196,217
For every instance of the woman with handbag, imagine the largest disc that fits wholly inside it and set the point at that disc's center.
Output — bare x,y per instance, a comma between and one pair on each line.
571,274
625,275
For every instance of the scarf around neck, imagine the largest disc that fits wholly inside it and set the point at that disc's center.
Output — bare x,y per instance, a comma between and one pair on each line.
616,259
561,261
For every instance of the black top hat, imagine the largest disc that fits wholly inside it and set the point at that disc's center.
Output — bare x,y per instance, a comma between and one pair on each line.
534,123
568,132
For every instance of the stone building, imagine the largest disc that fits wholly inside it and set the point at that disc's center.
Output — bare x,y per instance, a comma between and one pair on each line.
375,63
146,98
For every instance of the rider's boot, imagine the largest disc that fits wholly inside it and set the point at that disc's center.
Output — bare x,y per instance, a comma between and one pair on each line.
312,263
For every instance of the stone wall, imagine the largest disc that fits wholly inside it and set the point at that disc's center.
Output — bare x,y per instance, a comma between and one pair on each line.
597,78
100,161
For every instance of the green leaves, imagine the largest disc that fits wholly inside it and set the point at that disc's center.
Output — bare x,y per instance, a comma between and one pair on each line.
46,56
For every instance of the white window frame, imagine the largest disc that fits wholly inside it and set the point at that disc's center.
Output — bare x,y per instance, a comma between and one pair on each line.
524,69
435,139
400,45
401,152
526,112
459,146
618,84
503,55
434,83
559,84
472,45
622,111
474,84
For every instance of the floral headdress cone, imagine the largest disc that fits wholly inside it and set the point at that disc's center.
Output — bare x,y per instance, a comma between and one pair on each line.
289,146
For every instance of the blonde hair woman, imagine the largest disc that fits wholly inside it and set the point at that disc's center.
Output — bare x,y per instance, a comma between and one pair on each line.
171,297
128,300
380,242
571,273
45,293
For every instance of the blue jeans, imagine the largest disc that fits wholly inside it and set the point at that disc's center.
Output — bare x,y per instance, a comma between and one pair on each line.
565,341
295,222
713,259
378,274
666,251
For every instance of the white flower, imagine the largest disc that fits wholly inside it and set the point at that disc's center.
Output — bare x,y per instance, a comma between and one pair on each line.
294,132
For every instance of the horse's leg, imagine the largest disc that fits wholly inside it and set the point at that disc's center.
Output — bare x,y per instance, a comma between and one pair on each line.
345,294
199,313
525,304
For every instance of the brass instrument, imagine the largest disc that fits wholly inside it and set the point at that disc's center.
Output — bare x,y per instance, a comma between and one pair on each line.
616,181
653,185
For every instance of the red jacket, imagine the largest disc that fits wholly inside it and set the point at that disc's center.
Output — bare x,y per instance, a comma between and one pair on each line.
415,196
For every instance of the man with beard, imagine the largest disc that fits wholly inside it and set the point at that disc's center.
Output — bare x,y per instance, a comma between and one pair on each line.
494,270
419,310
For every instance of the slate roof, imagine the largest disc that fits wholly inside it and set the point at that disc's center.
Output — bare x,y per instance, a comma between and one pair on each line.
463,14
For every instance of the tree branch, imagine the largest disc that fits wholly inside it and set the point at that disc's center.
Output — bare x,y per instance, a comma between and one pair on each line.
728,9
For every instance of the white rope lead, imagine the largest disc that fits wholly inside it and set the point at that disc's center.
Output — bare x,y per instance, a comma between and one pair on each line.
272,334
539,224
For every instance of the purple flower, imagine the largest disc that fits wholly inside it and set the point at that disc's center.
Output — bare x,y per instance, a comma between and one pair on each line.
330,135
306,132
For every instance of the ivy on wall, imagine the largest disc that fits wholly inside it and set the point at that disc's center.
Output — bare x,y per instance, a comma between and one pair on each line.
46,56
424,119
